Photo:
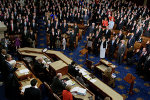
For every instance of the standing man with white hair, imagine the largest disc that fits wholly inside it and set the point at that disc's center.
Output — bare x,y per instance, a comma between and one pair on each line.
121,51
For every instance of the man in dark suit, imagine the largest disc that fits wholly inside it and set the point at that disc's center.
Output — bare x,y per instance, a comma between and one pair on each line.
121,51
72,40
137,34
107,33
32,93
2,58
8,75
39,65
131,40
121,24
96,42
147,67
52,39
25,36
64,27
112,47
142,58
120,35
85,18
76,29
12,27
58,85
72,69
2,55
34,26
147,32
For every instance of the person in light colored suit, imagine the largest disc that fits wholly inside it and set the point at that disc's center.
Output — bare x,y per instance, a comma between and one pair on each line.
121,51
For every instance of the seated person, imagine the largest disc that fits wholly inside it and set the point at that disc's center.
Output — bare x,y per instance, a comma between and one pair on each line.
2,58
40,65
107,77
67,94
9,67
72,69
32,93
58,85
80,79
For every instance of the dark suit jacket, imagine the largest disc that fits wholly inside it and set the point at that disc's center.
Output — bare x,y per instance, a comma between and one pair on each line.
76,30
131,42
147,33
112,46
107,34
32,93
38,67
72,70
64,29
57,85
120,36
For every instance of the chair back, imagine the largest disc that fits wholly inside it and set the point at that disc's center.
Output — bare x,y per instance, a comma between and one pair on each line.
49,88
56,97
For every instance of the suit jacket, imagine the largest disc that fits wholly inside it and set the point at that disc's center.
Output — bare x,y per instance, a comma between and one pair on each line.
107,34
72,70
121,49
147,33
76,30
120,36
2,58
112,46
120,25
131,42
38,67
32,93
137,35
67,95
57,85
64,29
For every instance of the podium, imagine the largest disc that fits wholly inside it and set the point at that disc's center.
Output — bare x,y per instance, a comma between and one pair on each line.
130,79
84,51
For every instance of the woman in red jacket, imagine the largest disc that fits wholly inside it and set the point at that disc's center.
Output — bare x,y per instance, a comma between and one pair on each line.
67,94
105,22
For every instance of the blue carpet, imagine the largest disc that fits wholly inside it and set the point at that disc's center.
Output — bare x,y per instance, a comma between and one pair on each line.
41,36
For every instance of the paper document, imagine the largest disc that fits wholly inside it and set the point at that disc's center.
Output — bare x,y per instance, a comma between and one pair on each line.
70,82
87,77
93,80
83,71
24,71
80,91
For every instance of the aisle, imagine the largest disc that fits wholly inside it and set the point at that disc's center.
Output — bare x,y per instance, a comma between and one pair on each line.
41,36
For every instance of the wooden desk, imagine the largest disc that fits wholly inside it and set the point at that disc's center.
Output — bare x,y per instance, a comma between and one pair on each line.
77,84
102,88
19,72
23,78
59,67
84,51
26,82
103,64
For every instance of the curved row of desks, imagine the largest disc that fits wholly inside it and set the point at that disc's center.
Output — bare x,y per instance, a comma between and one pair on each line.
97,84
